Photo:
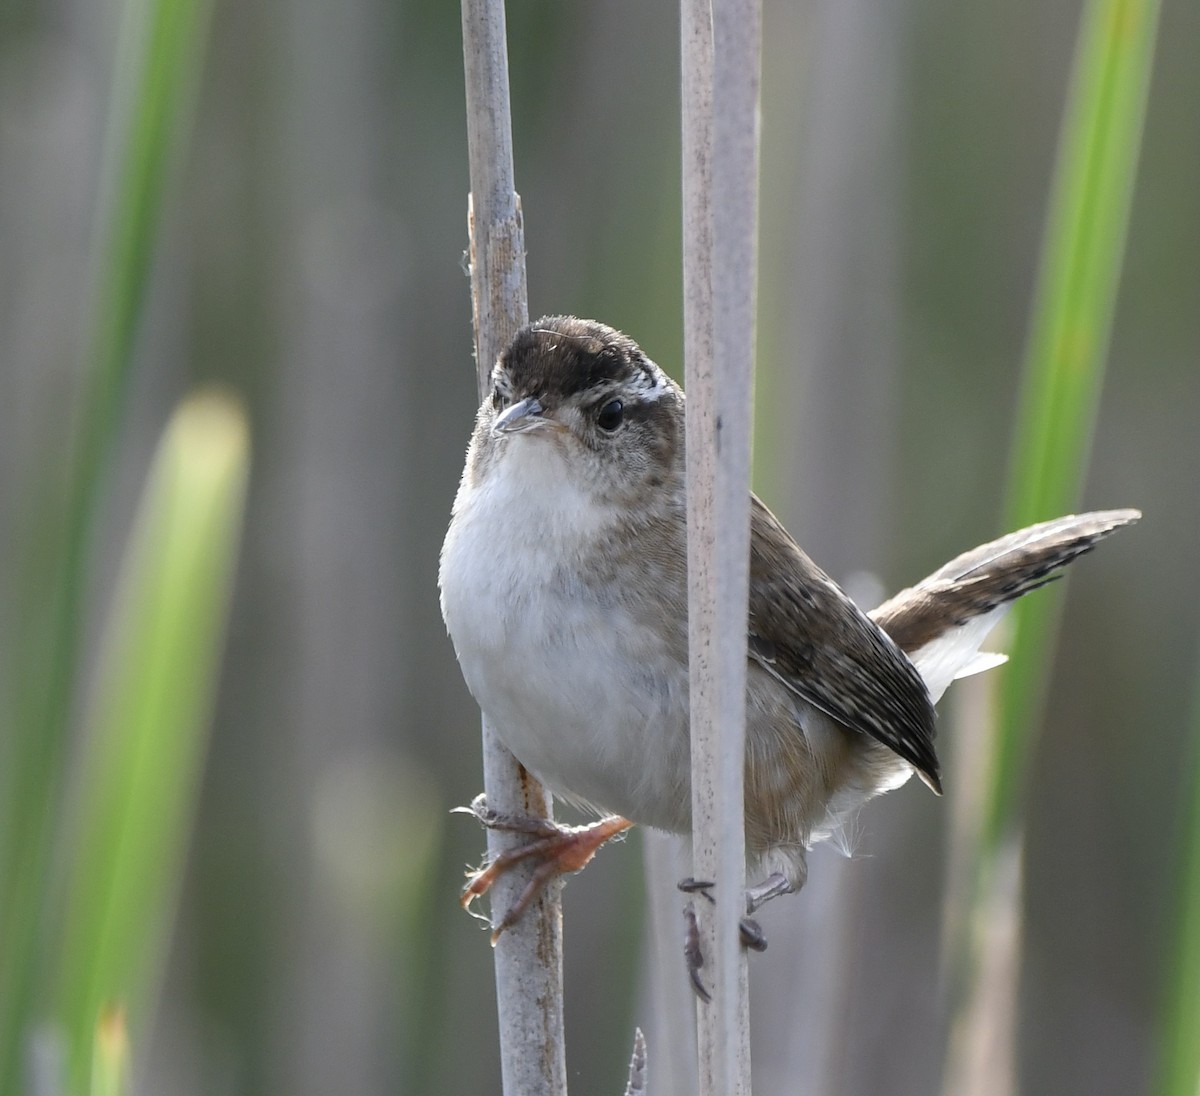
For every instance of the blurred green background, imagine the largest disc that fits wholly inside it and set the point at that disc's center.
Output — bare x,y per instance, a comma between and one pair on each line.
309,259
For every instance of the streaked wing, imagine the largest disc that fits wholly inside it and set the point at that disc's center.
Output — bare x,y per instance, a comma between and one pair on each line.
813,639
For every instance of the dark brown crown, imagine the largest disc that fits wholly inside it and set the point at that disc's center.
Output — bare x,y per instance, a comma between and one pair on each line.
560,356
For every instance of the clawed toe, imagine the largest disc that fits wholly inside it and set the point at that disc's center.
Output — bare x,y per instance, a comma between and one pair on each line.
529,824
752,934
697,886
693,953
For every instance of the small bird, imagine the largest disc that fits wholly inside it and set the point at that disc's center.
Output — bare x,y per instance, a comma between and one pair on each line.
563,584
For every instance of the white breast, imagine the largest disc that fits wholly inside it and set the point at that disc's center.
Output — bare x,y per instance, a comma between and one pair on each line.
573,683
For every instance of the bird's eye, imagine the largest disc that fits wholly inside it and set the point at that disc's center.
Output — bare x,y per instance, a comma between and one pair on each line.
610,415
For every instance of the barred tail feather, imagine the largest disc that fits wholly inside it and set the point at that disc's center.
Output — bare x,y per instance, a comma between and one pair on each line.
942,622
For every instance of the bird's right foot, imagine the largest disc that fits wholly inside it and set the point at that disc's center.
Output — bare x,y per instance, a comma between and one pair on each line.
562,850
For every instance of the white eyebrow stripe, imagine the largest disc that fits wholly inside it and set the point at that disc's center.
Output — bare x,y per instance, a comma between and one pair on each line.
649,385
502,381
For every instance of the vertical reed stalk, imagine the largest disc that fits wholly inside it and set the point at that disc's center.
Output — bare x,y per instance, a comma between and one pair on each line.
528,956
721,65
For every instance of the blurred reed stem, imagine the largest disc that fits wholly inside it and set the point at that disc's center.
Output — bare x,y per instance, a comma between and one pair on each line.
1063,374
1178,1065
147,726
160,49
1073,310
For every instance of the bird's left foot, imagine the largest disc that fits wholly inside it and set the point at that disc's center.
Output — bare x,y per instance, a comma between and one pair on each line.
562,850
749,931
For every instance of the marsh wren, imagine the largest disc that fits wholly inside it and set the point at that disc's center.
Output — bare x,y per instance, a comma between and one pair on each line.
564,588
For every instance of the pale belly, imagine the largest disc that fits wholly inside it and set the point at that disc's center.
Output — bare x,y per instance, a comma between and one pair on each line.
573,679
614,741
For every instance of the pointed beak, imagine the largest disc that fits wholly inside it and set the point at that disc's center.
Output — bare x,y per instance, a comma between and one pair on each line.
522,416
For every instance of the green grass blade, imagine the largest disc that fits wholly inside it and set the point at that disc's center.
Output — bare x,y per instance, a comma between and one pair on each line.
148,721
1073,309
162,42
1179,1046
1068,345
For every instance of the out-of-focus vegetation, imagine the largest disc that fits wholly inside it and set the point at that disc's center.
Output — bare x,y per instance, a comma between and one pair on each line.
90,863
308,258
1099,151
